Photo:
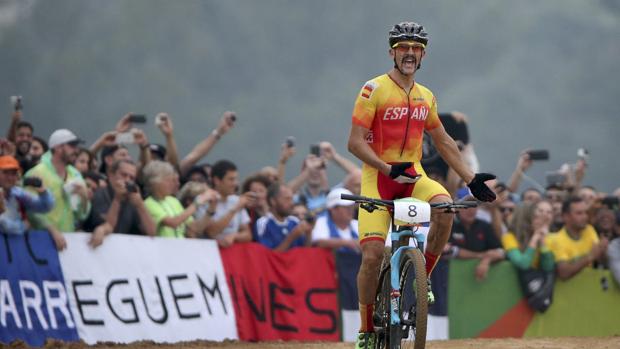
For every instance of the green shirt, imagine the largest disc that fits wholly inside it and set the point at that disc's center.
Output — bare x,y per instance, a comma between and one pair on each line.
63,217
168,207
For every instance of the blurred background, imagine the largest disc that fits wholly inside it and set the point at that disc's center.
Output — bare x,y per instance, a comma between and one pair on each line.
528,74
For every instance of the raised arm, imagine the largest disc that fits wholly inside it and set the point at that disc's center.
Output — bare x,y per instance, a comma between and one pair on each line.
523,164
202,149
167,129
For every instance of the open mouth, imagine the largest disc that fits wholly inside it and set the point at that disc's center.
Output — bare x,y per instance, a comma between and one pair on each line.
409,62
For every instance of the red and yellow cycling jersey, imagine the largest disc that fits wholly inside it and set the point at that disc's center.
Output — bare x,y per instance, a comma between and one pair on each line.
396,120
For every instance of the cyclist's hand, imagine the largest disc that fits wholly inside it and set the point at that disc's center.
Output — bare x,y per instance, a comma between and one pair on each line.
398,173
479,189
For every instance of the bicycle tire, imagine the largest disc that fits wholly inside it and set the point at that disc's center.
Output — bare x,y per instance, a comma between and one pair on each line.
413,282
381,316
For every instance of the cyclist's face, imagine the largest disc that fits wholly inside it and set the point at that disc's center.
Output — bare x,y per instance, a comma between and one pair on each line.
407,56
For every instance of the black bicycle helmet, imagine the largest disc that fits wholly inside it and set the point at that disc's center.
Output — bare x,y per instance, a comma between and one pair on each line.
407,31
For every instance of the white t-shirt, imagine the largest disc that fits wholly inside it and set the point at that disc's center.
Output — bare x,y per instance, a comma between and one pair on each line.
321,230
240,218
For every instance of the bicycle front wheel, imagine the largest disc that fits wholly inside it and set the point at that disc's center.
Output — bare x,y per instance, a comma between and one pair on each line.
413,307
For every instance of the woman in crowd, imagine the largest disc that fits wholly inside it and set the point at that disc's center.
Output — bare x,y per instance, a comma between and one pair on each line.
171,218
525,242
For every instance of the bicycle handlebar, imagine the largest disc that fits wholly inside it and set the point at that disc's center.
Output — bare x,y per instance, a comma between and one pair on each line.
390,203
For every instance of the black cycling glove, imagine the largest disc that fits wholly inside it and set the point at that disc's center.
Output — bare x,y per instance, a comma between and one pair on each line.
479,189
398,174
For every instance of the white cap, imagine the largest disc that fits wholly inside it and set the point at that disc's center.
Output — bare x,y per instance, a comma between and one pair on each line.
333,198
62,136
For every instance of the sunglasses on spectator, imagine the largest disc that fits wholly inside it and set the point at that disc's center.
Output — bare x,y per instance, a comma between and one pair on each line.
506,209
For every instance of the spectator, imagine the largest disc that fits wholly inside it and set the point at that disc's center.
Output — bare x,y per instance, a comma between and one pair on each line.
311,185
301,212
577,245
271,173
197,174
158,152
525,242
231,222
22,138
15,201
119,205
111,154
257,185
605,223
279,230
65,183
472,238
531,196
314,176
170,218
589,196
336,228
613,252
38,147
84,161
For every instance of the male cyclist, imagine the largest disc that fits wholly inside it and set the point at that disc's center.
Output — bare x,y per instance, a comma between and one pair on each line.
390,116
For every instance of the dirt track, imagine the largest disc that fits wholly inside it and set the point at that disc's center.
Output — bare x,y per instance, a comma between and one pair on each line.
509,343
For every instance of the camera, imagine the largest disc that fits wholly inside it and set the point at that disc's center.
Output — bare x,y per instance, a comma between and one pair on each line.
131,187
17,102
137,118
309,218
159,119
33,182
315,150
583,154
125,138
540,154
611,201
290,141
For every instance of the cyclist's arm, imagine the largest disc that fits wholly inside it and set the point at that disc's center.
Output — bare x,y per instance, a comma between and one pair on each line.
357,146
449,151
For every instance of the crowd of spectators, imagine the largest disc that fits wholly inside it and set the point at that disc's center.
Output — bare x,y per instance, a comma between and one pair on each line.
54,183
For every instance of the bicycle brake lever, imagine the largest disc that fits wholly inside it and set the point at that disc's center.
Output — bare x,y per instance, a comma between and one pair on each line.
368,207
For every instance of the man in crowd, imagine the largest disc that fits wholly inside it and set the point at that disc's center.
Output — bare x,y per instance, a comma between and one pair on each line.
119,205
279,230
66,184
576,246
336,228
472,238
15,201
230,220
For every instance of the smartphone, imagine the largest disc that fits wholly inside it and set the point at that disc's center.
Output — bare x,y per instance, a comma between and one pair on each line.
290,141
137,118
131,187
125,138
583,154
233,117
17,102
315,149
32,182
540,154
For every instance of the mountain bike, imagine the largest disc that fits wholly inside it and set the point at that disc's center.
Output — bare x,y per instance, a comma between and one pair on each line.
401,303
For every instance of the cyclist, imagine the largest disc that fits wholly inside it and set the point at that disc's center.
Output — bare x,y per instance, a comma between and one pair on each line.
390,116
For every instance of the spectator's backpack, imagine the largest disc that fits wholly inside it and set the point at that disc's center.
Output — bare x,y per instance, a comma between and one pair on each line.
537,286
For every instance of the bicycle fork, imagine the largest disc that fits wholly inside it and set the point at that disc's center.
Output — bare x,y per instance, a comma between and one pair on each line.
395,270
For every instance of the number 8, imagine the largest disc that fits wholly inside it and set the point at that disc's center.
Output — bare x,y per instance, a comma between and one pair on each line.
413,211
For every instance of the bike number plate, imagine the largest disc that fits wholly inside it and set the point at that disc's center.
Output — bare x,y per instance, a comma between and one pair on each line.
411,211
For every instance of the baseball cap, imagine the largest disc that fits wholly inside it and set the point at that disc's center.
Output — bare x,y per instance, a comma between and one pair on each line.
333,198
8,162
464,194
158,149
63,136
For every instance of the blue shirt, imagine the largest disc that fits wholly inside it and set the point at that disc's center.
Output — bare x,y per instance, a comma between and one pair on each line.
272,232
18,202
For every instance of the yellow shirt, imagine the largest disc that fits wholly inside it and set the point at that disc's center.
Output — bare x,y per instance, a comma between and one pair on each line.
566,249
509,242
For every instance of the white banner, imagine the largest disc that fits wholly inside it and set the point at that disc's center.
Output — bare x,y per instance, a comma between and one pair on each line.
140,288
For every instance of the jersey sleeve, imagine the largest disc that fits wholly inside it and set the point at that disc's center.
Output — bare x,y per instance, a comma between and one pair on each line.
432,121
509,242
365,105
